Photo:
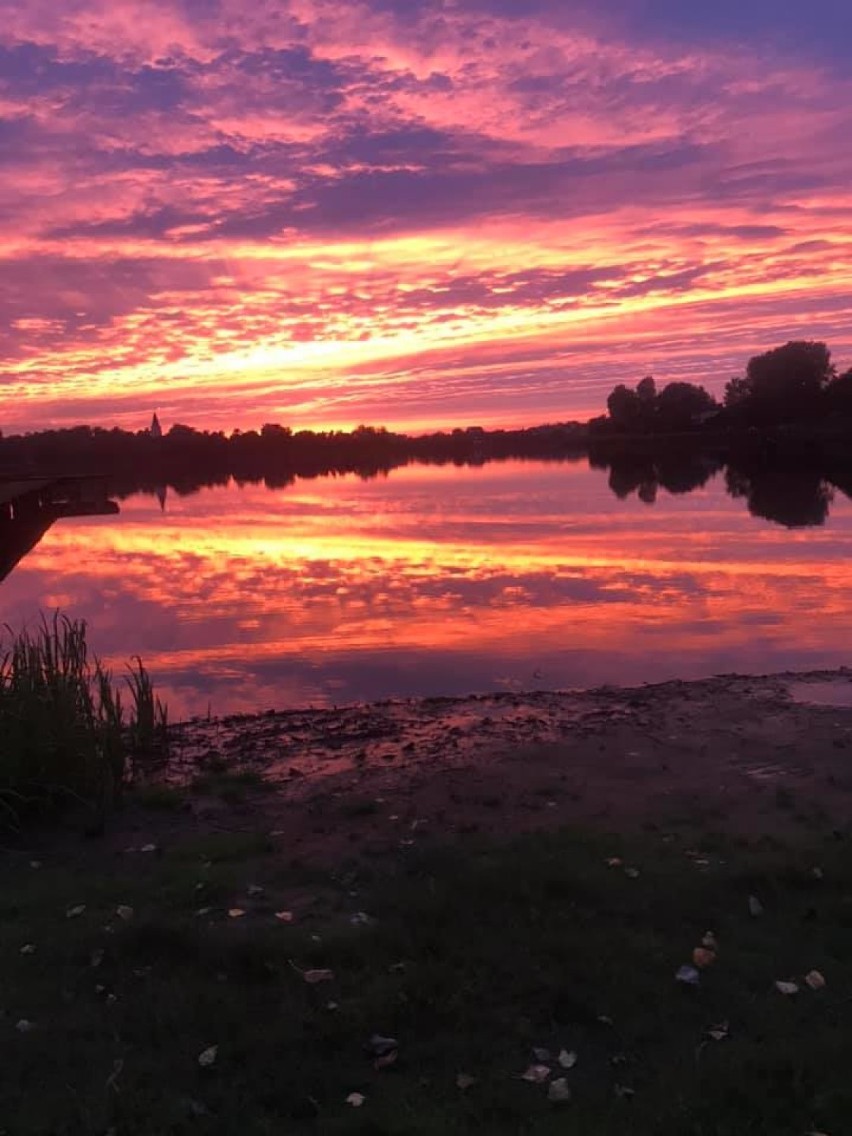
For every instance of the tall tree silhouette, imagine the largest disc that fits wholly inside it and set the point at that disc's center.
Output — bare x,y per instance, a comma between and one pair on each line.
783,385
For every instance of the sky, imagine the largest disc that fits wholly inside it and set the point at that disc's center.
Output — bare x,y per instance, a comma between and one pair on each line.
416,213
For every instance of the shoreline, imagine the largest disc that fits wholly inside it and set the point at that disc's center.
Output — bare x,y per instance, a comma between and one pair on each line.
741,754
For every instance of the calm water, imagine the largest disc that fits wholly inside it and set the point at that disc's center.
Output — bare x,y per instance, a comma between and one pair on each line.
441,581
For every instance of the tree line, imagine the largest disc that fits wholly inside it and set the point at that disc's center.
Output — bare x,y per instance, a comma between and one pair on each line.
795,383
187,459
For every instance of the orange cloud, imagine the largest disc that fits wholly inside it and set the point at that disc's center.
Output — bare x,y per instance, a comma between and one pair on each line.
418,214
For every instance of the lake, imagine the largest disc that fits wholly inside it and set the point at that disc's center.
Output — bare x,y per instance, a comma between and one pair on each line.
441,581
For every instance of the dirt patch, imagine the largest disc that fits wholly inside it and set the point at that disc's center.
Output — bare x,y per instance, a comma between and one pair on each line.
835,692
734,754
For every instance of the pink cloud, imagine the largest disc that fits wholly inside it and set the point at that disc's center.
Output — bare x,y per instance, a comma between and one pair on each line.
309,203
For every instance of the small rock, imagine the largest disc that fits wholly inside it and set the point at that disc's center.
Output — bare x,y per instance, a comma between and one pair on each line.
702,957
536,1074
381,1046
755,907
788,988
558,1091
312,977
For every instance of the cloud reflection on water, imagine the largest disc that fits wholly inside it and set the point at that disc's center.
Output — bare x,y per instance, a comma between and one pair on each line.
440,581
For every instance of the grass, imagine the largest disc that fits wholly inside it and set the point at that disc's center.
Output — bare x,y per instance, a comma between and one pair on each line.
472,957
66,734
360,807
163,798
230,785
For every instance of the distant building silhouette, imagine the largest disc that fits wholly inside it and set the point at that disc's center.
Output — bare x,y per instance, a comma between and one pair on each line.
156,430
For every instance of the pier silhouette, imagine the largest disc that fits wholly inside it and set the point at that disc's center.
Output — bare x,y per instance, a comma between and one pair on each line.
30,505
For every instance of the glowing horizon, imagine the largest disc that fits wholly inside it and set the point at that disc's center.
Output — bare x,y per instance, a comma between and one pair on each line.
417,214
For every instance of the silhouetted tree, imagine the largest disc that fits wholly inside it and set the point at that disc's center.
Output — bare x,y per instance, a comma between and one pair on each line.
646,389
782,385
736,392
680,405
272,432
625,409
838,395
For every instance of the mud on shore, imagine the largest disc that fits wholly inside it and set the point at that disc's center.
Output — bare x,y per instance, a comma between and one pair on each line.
735,754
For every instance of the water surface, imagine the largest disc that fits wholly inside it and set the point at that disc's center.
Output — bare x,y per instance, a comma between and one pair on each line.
441,581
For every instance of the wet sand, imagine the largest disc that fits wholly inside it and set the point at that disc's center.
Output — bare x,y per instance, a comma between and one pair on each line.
742,755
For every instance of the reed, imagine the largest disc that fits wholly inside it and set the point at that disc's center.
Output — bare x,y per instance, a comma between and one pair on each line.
65,732
149,719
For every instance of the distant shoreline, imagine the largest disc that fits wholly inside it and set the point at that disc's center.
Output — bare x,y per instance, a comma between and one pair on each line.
185,455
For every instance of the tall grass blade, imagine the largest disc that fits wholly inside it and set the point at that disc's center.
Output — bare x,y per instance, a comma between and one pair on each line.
63,733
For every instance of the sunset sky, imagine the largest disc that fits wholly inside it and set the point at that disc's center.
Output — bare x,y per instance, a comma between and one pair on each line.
412,212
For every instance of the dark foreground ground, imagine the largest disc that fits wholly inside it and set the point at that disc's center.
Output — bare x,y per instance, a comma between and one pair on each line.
474,890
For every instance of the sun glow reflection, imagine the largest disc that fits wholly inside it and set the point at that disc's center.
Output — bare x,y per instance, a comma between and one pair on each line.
343,589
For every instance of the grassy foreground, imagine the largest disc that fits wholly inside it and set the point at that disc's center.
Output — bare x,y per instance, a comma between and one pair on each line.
471,958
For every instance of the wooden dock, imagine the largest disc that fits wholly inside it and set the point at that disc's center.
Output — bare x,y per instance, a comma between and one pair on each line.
30,505
10,491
